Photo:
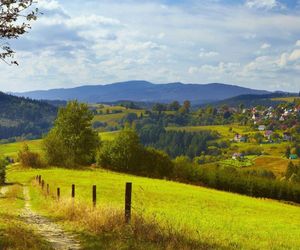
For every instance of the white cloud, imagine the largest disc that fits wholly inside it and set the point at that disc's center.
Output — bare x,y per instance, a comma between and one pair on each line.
295,55
107,41
265,46
208,54
263,4
298,43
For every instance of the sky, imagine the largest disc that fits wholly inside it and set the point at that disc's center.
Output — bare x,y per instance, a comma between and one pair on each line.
250,43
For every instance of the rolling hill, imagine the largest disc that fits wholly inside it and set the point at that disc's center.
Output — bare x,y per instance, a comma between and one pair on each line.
144,91
252,100
24,117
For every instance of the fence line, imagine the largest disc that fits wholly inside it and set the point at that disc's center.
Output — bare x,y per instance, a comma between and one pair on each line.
128,195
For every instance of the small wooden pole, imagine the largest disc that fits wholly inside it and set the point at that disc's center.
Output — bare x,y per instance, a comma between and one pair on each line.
48,189
43,184
58,193
128,193
73,191
40,179
94,195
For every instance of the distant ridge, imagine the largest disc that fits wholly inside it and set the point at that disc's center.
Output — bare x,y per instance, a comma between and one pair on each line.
251,100
144,91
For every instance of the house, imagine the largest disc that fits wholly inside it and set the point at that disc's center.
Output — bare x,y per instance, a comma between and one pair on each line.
262,128
282,119
255,116
287,136
239,138
237,156
268,134
293,157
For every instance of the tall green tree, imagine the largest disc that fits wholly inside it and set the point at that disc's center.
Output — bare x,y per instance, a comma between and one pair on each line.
72,141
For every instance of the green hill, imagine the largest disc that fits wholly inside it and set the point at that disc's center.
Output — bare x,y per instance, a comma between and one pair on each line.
21,117
220,220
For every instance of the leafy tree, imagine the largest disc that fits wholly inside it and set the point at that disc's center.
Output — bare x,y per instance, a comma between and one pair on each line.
14,22
174,106
185,109
159,107
126,154
72,140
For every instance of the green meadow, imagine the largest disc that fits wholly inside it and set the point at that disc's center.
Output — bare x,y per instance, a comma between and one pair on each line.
108,116
224,220
12,149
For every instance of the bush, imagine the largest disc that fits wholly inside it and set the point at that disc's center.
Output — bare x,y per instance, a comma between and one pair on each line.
28,158
3,164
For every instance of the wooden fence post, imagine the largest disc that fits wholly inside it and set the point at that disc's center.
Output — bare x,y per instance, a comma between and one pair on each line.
58,193
73,191
128,193
43,184
94,195
40,179
48,189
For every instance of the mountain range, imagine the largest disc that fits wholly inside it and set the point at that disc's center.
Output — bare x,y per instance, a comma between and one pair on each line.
143,91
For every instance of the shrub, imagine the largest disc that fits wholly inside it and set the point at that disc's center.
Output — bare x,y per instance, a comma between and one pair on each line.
28,158
3,164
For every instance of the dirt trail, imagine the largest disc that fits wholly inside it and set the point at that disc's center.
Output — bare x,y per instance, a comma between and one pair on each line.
59,239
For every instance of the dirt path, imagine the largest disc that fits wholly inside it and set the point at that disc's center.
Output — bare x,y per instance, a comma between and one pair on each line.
59,239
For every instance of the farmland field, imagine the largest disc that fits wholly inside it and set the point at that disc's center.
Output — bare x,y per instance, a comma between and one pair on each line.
226,131
108,116
221,219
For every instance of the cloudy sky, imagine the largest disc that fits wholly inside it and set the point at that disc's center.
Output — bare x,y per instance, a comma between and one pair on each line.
251,43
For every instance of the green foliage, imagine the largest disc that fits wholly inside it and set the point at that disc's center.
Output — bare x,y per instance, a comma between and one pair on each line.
126,154
72,141
3,164
177,143
292,173
28,158
24,117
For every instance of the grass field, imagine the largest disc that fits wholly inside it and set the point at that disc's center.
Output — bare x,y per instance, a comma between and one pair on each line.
112,118
221,219
226,131
286,99
12,149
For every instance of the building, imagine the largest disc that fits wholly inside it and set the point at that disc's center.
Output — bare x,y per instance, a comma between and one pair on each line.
262,128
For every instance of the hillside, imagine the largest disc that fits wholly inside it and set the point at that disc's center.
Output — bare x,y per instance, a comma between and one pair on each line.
24,117
252,100
144,92
217,219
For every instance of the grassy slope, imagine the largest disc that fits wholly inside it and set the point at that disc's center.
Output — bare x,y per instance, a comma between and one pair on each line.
224,219
112,119
12,149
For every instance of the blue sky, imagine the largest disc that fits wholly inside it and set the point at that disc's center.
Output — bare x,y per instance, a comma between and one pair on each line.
251,43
